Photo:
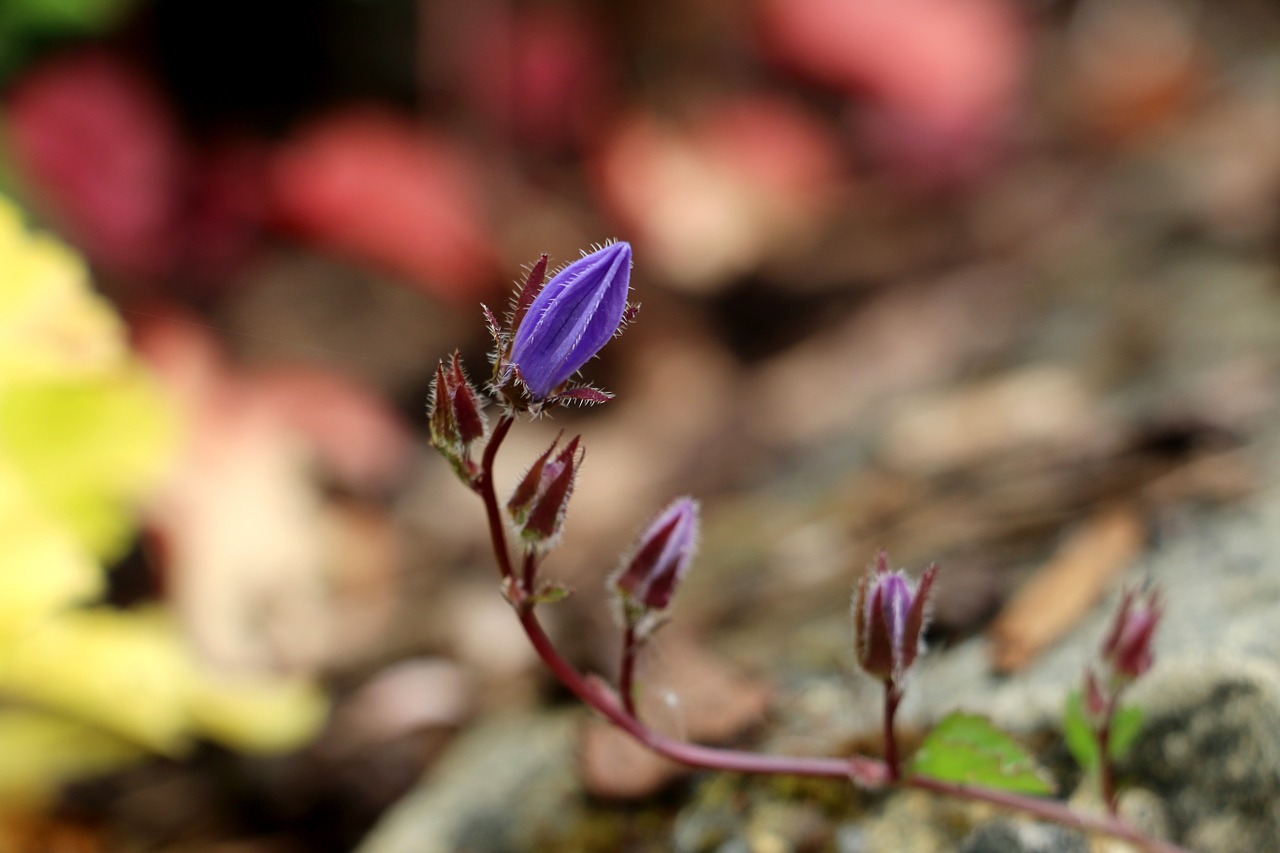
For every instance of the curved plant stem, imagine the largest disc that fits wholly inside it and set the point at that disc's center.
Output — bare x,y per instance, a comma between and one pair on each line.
484,486
1053,810
867,772
864,771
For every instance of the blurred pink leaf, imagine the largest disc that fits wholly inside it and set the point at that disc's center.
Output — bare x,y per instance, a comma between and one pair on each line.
540,74
376,187
942,76
252,549
103,158
710,200
357,435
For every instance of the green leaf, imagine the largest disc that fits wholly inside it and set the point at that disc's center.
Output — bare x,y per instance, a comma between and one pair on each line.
1125,727
1079,733
1083,742
550,592
966,748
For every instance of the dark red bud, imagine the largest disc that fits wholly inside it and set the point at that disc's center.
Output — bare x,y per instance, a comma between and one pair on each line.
547,515
649,577
444,429
541,499
529,291
1128,645
467,410
1095,700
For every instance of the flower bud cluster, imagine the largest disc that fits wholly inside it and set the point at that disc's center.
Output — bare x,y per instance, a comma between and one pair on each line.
890,613
457,417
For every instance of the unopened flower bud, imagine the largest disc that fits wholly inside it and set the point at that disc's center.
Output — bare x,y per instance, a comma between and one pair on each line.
1096,703
1127,648
889,614
456,416
573,316
540,501
647,579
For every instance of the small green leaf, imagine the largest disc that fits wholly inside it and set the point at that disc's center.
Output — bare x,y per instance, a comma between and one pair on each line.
1079,733
1083,741
1125,727
550,592
966,748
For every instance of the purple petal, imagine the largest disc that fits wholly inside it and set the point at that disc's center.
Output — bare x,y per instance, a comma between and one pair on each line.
572,318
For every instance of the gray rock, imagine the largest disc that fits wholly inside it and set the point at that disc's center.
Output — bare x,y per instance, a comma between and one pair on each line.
503,785
1210,748
1013,836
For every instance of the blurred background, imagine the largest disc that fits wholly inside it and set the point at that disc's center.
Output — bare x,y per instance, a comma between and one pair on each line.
987,282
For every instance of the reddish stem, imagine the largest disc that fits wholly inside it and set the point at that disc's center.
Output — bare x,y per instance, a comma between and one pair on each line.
1053,810
627,670
1106,770
892,696
863,771
530,573
484,486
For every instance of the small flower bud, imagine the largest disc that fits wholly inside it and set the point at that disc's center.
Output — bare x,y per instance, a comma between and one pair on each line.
540,501
889,614
647,579
572,317
1127,647
457,419
1096,703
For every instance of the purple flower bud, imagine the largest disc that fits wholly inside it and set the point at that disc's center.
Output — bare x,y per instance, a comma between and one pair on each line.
648,578
572,318
540,501
889,614
1127,647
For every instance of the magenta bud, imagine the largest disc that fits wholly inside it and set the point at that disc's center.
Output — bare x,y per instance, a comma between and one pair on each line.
890,613
647,579
541,500
1128,645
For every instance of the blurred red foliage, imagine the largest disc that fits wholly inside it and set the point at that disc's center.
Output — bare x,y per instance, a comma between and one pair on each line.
383,190
539,75
102,156
941,77
712,198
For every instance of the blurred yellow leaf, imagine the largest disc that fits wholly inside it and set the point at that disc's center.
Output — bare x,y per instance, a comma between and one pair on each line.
256,714
123,671
43,752
43,570
89,449
85,436
51,324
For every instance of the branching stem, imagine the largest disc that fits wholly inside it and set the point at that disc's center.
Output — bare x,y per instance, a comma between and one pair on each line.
863,771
